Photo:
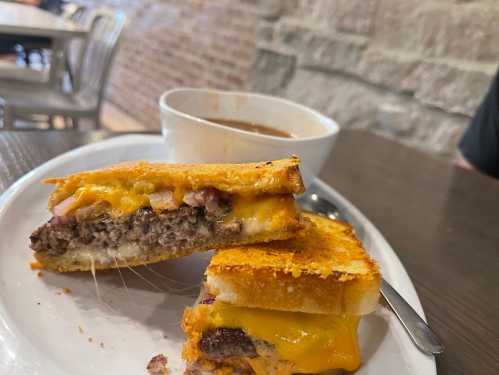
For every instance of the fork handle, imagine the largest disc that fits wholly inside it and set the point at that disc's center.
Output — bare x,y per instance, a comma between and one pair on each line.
419,332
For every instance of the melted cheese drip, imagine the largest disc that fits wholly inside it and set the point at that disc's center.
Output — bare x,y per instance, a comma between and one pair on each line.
122,201
262,213
312,342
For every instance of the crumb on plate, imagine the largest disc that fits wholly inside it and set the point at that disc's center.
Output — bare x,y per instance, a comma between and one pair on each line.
36,266
63,291
39,274
80,329
90,339
157,365
101,344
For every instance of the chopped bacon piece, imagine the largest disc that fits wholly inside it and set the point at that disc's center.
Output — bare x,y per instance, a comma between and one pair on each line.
157,365
208,198
208,299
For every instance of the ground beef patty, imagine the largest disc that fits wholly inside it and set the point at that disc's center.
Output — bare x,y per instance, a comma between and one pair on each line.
169,230
220,343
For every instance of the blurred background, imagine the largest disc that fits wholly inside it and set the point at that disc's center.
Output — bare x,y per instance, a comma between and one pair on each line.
411,71
414,71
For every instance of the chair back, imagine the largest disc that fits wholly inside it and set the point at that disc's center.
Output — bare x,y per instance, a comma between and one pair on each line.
74,49
98,53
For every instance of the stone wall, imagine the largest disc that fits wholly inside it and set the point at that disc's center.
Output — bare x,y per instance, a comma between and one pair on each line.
411,70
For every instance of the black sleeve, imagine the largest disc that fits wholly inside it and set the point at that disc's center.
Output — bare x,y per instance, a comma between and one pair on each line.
480,142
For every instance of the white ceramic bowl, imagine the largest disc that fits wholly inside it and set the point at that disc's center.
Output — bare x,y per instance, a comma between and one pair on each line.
191,139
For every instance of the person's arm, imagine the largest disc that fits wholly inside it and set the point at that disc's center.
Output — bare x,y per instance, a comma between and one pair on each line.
462,162
34,3
479,145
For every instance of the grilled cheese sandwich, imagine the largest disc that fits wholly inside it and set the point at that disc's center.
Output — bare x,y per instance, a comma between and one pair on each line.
284,307
138,213
303,342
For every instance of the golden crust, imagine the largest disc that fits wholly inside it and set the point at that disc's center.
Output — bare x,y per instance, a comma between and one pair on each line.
323,270
271,177
275,290
326,248
61,264
195,321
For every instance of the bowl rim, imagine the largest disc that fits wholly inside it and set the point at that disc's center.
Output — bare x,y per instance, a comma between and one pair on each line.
330,126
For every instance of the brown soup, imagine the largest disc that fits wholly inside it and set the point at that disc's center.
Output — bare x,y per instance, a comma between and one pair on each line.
250,127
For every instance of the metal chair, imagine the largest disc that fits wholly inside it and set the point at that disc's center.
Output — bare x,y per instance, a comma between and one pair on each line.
85,98
74,13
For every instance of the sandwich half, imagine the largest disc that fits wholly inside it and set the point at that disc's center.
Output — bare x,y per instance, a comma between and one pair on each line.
284,307
138,213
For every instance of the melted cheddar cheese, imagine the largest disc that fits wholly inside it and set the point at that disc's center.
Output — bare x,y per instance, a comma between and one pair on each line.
312,343
260,213
121,201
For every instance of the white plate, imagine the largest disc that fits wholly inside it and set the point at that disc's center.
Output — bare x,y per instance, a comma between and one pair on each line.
44,331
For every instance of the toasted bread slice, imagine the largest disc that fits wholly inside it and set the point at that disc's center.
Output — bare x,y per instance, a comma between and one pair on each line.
284,307
270,177
323,270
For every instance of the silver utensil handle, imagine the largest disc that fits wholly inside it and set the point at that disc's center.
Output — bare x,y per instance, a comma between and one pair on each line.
418,330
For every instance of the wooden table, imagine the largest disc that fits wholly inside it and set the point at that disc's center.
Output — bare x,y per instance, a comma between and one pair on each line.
23,19
442,221
20,19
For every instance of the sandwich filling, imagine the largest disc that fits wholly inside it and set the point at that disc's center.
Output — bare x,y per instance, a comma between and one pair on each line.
254,340
105,217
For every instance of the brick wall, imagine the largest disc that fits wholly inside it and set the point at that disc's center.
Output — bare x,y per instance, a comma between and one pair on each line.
172,43
411,70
